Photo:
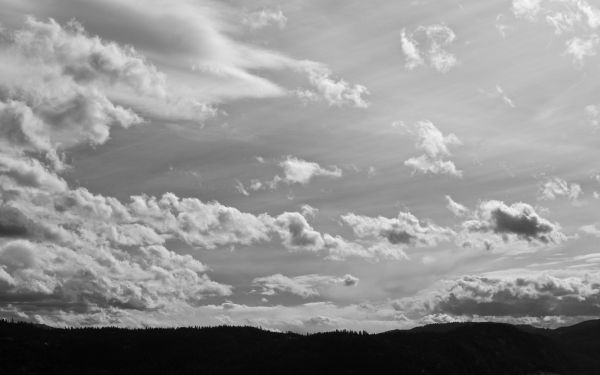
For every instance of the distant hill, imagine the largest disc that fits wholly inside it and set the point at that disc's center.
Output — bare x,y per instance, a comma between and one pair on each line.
456,348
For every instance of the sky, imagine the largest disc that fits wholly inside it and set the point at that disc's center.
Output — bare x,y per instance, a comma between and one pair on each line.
299,165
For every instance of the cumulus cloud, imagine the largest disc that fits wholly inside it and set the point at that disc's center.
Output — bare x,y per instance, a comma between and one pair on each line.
437,38
335,92
554,187
533,294
49,275
264,18
71,251
68,79
297,233
298,171
436,147
563,15
307,210
515,222
405,230
576,18
304,286
295,171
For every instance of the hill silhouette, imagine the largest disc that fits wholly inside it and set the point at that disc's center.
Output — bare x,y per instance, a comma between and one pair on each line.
456,348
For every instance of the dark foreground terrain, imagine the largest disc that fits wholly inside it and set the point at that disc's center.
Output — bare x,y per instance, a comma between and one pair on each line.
465,348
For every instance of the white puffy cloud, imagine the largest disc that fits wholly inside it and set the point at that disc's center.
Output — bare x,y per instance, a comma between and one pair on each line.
437,38
563,15
335,92
580,48
40,276
298,171
425,164
304,286
296,233
554,187
307,210
436,147
264,18
295,171
532,294
30,172
576,18
68,251
526,8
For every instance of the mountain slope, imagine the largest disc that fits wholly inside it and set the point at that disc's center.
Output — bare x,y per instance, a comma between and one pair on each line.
469,348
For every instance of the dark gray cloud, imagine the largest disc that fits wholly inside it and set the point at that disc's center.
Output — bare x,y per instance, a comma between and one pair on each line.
517,221
14,224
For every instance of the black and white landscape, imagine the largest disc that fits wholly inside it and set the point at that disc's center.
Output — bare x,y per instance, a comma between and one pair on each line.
301,166
451,348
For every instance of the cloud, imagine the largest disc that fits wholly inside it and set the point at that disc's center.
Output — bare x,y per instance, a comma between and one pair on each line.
298,171
576,18
339,249
264,18
436,146
502,95
517,222
437,38
580,48
533,294
592,114
206,65
335,92
307,210
67,250
555,187
456,208
47,276
297,233
30,172
526,8
411,51
241,188
563,15
405,230
56,83
591,230
304,286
